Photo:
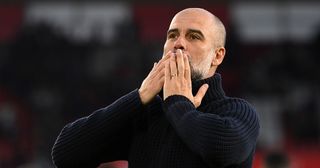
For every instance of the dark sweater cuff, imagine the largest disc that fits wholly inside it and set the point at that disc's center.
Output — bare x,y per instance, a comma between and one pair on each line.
177,105
132,101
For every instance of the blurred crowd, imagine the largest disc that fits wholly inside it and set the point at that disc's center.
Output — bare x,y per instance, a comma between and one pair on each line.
48,79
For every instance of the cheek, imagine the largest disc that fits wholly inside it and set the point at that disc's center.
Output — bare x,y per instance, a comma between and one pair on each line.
197,55
166,47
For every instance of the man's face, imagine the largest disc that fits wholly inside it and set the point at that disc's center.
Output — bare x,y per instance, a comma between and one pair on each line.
192,33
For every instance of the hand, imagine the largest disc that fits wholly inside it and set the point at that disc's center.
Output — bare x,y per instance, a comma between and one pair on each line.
177,80
153,83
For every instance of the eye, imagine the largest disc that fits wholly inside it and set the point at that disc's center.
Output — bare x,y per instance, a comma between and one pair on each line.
194,36
172,35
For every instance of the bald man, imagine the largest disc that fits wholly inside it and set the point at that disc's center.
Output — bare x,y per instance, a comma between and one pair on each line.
180,116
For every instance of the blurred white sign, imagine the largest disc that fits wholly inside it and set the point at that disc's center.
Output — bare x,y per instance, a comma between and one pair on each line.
276,21
80,21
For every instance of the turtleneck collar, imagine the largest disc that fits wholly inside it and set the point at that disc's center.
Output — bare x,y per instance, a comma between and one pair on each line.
215,90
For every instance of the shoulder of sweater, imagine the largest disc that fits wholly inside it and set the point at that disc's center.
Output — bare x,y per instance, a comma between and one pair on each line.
232,105
237,109
237,100
231,101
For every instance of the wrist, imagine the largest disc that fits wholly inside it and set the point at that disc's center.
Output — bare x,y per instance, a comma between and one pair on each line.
142,95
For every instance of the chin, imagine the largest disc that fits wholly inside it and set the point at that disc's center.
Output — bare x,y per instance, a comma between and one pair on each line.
195,76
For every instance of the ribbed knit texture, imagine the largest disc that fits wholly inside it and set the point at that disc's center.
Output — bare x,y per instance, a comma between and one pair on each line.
222,132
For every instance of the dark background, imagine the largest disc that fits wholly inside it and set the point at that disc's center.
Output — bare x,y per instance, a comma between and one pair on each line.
61,60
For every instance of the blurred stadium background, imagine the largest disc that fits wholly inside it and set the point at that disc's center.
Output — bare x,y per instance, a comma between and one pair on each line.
62,60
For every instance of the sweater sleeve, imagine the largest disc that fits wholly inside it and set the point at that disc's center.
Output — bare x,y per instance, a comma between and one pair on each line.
100,137
224,136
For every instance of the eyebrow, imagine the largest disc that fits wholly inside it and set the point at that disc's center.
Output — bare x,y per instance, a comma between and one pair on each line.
196,31
172,31
188,31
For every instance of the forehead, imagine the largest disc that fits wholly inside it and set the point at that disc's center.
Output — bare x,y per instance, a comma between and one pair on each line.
189,20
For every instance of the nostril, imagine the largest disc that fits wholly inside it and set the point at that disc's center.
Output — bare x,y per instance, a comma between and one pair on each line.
179,47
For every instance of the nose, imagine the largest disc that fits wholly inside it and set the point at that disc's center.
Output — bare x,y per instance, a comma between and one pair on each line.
180,44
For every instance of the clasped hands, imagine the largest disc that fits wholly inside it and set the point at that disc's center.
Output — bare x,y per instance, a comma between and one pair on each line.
173,74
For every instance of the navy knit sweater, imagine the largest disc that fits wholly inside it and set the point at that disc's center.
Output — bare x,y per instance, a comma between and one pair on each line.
222,132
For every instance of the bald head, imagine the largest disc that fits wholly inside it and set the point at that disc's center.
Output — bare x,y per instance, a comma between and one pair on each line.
218,30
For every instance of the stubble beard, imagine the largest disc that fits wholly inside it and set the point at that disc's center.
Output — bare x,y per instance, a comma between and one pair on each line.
195,74
199,71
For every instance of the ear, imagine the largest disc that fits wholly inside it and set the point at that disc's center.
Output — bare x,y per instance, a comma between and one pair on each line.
219,56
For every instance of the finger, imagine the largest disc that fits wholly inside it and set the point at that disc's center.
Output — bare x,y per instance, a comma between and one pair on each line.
160,74
187,72
153,71
199,96
180,63
160,68
153,68
167,72
159,82
161,63
173,66
165,57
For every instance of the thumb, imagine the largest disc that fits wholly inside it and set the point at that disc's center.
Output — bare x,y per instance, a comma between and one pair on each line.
199,96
